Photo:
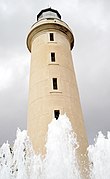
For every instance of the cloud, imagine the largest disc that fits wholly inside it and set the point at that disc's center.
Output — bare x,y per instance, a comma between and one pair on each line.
6,77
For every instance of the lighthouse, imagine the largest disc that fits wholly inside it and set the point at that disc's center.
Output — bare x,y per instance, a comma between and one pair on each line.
53,88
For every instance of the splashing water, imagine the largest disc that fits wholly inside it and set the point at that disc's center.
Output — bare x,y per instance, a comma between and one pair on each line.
20,162
99,156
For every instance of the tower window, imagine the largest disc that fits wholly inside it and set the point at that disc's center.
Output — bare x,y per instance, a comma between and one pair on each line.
55,85
52,57
51,37
56,114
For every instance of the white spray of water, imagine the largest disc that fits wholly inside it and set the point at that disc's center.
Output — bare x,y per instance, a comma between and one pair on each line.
59,161
99,156
20,162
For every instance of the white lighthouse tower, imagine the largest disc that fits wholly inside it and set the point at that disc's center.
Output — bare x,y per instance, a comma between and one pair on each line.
53,89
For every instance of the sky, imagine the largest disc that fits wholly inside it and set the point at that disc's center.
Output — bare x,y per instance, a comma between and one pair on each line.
90,23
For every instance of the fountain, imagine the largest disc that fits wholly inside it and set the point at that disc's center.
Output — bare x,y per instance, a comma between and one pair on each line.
20,162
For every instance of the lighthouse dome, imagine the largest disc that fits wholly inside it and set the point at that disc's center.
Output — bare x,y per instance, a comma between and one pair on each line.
48,14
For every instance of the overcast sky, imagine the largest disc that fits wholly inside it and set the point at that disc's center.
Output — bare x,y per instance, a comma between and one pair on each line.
90,23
